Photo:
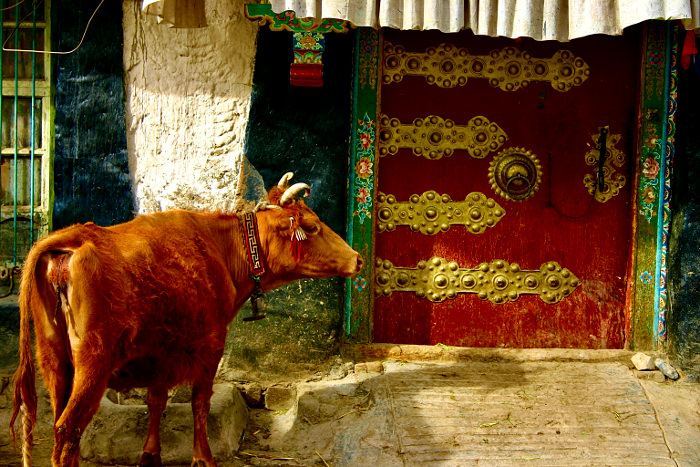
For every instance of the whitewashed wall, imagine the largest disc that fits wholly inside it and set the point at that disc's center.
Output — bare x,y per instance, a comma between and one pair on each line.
188,95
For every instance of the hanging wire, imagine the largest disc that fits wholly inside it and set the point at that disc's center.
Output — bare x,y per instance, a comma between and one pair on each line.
12,6
50,52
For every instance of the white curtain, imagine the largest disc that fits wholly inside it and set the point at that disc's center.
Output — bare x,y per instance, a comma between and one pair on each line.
177,13
560,20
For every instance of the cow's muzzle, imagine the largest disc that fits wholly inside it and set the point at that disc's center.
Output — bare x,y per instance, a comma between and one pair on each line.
354,267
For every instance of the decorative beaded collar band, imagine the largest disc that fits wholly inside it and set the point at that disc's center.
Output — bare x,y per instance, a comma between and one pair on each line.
249,228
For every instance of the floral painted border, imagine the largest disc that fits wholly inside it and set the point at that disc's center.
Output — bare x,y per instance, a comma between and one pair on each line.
665,221
368,62
647,325
359,295
649,184
288,21
364,168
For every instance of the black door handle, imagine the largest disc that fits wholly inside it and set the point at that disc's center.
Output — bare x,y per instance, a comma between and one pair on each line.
603,152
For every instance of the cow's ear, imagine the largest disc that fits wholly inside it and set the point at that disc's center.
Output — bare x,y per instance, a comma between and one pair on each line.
274,195
281,222
286,218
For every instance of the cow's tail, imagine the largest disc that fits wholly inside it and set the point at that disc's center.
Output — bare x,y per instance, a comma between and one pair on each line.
25,399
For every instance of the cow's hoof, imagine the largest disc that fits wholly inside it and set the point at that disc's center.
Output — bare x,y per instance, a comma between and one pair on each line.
150,460
203,463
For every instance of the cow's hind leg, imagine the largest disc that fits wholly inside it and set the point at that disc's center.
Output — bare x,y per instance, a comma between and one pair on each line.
201,402
57,372
156,399
88,388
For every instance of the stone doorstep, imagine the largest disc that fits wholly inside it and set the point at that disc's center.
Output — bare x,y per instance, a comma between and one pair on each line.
117,432
447,354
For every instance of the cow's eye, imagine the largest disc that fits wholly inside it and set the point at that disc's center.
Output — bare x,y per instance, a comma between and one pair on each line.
311,229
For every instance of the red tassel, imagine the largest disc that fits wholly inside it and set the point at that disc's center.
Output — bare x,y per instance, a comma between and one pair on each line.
298,235
689,49
297,248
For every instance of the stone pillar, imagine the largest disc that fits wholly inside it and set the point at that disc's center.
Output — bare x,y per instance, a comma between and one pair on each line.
187,104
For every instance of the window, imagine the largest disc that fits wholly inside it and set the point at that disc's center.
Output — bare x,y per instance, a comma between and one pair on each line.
25,164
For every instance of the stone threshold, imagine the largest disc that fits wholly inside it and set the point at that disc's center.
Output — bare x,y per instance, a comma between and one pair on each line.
444,353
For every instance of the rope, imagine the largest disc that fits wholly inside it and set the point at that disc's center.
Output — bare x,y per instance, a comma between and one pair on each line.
6,273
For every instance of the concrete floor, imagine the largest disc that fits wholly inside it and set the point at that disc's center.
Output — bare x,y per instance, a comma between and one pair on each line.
535,410
461,407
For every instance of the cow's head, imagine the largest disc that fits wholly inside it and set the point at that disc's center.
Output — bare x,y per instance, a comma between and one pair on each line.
298,244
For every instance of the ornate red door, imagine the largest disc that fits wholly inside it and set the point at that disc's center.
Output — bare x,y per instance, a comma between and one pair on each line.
503,208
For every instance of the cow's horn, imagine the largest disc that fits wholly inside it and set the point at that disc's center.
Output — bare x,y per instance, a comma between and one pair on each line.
284,181
291,192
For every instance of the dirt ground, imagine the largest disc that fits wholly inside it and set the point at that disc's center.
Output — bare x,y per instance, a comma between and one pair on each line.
537,411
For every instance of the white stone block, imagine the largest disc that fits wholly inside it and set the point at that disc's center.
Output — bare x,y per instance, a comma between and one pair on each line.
643,362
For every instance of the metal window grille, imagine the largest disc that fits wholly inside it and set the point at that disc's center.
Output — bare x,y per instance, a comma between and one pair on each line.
25,128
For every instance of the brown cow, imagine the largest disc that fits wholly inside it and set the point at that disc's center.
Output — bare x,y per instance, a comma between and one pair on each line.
147,304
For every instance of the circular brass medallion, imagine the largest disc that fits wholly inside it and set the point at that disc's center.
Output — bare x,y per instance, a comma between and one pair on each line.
515,174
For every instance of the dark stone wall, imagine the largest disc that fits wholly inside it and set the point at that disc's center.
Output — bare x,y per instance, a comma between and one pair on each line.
303,130
91,173
683,320
306,131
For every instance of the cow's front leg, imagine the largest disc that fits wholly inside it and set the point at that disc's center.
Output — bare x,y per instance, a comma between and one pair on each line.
156,400
201,397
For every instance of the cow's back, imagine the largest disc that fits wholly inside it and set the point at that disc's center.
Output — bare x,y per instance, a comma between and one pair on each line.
155,289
